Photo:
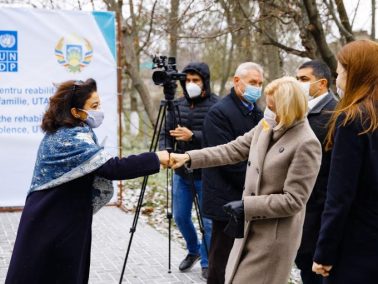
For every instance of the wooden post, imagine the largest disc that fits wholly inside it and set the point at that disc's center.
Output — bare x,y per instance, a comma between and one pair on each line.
119,94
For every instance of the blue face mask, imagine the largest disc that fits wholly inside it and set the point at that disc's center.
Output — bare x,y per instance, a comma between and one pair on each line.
251,93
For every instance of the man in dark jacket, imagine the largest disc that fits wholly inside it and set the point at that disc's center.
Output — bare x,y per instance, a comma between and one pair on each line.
233,116
185,127
315,77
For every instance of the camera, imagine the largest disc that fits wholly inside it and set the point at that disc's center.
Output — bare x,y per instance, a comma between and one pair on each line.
169,74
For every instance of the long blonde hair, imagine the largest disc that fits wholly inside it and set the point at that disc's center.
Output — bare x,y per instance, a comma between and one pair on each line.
289,98
360,60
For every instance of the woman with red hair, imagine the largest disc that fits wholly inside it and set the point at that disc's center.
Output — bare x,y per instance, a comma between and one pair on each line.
347,248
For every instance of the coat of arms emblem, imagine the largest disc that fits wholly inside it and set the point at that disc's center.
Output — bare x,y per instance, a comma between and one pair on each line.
74,53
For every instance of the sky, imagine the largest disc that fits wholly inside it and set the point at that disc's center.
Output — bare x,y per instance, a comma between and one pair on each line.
362,19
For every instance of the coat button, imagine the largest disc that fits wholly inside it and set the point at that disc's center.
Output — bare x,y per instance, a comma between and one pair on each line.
253,194
257,171
249,163
281,149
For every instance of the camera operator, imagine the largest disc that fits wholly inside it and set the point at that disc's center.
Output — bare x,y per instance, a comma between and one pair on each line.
185,126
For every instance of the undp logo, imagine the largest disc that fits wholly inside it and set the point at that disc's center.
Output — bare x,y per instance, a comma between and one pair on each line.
74,53
8,51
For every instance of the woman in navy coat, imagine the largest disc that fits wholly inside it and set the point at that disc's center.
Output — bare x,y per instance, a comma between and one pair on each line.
71,181
347,247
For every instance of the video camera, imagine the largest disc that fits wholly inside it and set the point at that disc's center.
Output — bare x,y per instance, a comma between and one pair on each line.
167,76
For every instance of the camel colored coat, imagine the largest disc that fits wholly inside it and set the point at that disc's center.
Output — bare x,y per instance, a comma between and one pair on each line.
281,172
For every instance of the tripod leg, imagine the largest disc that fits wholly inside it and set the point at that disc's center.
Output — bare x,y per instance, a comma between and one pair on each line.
169,217
153,147
198,212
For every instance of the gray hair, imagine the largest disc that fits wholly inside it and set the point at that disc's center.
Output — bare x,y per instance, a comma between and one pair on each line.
243,69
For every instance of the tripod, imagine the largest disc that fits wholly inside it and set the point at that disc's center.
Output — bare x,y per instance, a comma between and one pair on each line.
168,104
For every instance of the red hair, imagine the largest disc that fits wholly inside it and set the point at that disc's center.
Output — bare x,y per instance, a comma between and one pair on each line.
360,60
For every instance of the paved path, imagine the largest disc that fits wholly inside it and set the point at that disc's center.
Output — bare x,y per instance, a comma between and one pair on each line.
148,260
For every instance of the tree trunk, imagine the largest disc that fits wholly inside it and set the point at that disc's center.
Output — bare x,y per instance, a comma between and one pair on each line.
372,35
227,61
270,54
344,20
317,32
173,27
133,72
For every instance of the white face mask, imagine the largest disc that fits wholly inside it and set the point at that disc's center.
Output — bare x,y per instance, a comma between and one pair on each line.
193,90
306,88
94,118
270,117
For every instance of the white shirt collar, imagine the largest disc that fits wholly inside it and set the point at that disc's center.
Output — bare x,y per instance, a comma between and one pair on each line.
312,103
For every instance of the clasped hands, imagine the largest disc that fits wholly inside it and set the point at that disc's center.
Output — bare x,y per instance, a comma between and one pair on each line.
172,160
321,269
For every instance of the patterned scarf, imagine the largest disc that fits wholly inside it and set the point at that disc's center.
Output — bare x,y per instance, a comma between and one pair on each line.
70,153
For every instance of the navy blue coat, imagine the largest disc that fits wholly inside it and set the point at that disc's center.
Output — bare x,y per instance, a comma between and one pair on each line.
189,113
53,241
226,120
318,118
348,237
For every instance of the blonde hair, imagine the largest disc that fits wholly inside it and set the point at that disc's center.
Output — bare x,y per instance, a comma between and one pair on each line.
290,100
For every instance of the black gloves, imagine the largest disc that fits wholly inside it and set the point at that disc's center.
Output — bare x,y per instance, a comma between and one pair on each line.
235,226
235,209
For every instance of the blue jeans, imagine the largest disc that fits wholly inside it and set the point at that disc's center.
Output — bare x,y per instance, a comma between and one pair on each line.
182,213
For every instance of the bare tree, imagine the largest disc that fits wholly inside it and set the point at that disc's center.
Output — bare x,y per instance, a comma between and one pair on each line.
270,55
343,24
317,32
372,35
347,31
173,27
131,60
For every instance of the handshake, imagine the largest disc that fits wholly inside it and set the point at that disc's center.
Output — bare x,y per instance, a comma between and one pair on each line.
172,160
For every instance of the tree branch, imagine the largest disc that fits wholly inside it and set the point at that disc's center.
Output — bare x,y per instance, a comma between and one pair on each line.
272,41
343,31
355,13
346,27
150,28
214,36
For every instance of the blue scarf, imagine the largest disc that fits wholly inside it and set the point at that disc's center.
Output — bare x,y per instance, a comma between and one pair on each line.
67,154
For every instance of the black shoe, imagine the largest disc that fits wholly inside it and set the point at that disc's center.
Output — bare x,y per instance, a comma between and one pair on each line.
188,262
205,272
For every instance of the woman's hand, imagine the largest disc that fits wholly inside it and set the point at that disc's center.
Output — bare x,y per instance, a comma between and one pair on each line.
178,160
163,158
321,269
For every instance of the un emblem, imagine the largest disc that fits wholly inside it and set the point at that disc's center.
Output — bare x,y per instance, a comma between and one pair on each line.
74,53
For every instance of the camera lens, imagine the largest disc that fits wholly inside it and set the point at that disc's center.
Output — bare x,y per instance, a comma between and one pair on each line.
159,77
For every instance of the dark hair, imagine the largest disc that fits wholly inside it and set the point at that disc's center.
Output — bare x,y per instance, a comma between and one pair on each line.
319,69
70,94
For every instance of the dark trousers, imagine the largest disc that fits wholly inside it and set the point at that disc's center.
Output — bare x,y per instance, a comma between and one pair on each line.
304,263
220,248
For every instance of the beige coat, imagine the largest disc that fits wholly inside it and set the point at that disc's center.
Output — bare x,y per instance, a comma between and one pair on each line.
281,172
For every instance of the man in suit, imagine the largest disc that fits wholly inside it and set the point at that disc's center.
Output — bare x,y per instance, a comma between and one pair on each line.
233,116
316,78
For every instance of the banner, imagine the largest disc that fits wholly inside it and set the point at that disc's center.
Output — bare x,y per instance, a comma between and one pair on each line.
39,48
